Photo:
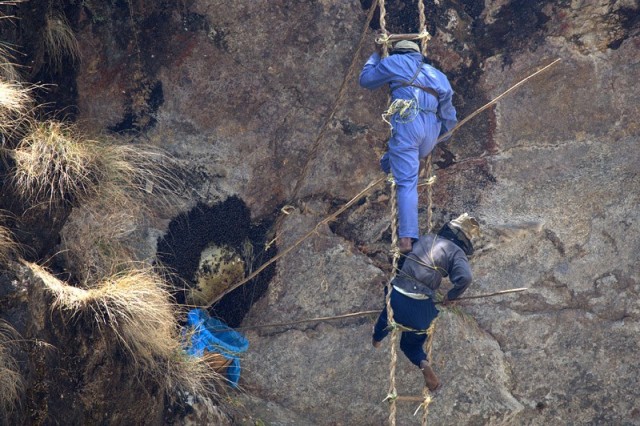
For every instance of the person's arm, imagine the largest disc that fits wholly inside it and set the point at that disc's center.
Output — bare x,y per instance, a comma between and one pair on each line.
459,275
376,72
446,110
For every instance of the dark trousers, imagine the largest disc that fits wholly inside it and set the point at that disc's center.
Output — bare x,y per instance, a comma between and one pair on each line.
412,313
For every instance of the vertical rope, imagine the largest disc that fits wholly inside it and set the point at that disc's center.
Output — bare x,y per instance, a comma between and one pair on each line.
383,16
426,395
392,394
383,26
390,321
423,27
430,180
429,164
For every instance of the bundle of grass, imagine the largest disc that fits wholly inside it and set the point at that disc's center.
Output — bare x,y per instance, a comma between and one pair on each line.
135,305
13,97
15,104
54,163
140,185
11,383
141,175
8,247
59,43
8,67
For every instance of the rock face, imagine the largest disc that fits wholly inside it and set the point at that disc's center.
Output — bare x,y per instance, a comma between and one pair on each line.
244,92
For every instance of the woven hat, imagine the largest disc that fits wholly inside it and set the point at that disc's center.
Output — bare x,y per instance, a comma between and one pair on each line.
406,45
467,224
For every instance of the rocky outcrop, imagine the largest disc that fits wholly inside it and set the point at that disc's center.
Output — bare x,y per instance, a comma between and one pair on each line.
553,177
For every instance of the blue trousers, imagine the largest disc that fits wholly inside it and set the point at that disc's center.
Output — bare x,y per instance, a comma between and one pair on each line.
410,141
416,314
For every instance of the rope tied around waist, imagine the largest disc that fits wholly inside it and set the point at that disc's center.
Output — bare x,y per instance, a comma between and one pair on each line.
406,109
392,325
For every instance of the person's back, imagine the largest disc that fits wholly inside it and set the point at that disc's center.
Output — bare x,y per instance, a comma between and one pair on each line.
407,75
431,259
413,296
420,113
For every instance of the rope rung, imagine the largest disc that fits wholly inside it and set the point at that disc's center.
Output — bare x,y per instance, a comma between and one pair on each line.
410,398
390,38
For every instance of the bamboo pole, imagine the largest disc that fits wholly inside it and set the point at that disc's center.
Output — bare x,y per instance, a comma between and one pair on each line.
497,293
495,100
366,313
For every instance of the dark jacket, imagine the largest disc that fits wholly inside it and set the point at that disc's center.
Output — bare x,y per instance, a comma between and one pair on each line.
431,259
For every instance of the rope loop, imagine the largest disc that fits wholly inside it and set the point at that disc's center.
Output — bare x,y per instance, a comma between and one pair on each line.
391,397
406,110
429,181
383,39
424,36
390,179
425,404
392,325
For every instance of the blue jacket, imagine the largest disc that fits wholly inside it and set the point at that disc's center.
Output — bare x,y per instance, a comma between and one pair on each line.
400,68
431,259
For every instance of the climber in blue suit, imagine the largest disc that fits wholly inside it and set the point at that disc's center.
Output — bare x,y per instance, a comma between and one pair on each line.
420,112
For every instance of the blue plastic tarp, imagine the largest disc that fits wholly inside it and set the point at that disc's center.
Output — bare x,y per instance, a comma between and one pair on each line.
215,336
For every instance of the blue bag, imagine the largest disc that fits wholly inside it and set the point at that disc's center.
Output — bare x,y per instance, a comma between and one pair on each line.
215,336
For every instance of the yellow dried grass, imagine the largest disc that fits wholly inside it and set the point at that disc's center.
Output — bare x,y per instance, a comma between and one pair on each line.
53,163
8,68
138,186
14,97
134,304
59,42
11,382
15,105
8,246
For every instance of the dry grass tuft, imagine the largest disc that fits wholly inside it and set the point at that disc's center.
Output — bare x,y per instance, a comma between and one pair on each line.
8,67
138,186
8,246
14,98
11,383
59,42
16,103
135,305
141,175
113,187
55,164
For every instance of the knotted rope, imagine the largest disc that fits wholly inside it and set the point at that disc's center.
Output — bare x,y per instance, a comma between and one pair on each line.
403,109
392,393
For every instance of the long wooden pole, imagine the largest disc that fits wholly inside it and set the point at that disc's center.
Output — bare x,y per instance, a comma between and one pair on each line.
366,313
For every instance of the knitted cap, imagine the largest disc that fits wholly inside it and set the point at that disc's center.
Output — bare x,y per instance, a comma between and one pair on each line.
406,45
